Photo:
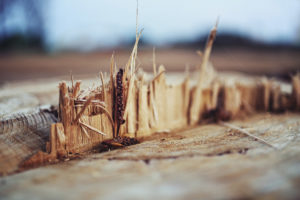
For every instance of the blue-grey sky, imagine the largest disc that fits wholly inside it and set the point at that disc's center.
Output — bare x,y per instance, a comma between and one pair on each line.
91,24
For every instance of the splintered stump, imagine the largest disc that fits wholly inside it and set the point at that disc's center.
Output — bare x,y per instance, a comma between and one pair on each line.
134,104
186,149
146,105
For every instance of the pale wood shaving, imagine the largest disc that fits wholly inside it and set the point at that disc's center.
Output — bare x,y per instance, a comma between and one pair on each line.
92,128
246,133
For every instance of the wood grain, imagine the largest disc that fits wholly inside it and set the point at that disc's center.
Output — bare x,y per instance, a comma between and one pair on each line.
207,162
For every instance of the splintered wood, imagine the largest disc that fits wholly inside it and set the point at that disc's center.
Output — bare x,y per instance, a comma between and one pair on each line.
153,105
131,103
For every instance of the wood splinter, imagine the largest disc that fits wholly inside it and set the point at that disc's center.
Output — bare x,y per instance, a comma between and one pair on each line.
92,128
246,133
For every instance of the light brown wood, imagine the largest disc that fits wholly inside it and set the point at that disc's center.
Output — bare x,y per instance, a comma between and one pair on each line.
156,103
154,106
205,162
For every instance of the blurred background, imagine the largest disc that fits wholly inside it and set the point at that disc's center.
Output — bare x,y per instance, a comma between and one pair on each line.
49,38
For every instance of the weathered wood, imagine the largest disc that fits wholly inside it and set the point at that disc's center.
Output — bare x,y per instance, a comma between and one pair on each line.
207,162
149,105
155,106
21,136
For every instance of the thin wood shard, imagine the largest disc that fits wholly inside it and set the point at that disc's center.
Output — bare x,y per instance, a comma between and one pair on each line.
247,133
197,103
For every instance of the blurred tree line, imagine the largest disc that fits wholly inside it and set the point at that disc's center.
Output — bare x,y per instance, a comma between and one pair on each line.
26,35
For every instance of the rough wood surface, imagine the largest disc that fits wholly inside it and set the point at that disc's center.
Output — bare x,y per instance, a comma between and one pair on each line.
155,103
257,157
160,106
206,162
22,135
89,117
